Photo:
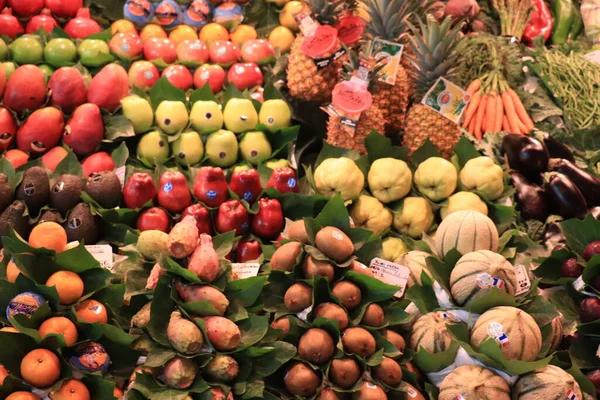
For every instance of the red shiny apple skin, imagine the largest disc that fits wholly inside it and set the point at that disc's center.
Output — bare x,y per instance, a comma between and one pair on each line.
179,76
8,128
139,190
193,52
210,186
258,51
232,216
245,75
214,75
202,216
143,75
591,250
268,223
154,218
589,309
571,269
247,251
173,193
155,49
126,46
223,52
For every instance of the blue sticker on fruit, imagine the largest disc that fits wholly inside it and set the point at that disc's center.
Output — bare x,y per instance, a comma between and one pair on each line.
148,74
291,183
211,194
167,187
125,47
247,196
90,357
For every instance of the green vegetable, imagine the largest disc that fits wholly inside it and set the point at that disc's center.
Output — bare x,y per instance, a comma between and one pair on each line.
577,24
564,12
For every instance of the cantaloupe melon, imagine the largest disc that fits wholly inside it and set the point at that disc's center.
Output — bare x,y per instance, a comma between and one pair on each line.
556,334
548,383
466,231
431,333
513,329
472,382
478,272
416,262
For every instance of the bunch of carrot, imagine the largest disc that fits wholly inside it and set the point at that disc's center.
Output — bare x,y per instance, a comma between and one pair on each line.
495,107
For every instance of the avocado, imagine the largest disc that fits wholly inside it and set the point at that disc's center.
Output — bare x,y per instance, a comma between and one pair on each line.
13,216
6,193
35,189
105,188
66,193
50,216
82,225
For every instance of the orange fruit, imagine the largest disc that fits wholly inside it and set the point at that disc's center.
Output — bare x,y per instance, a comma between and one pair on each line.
9,329
12,271
23,396
213,31
68,285
286,16
282,38
152,31
242,33
40,368
123,26
60,326
181,33
117,393
48,235
92,311
3,374
71,389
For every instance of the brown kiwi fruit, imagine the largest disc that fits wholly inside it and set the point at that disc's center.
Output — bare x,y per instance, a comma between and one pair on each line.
297,231
334,243
282,323
344,372
373,316
316,346
334,312
311,267
394,338
301,380
348,293
330,394
284,258
411,393
298,297
359,341
388,372
361,269
369,391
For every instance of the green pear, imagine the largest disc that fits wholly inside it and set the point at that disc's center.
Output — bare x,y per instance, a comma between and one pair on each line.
255,147
172,116
275,114
240,115
206,117
276,164
153,147
139,112
188,148
222,148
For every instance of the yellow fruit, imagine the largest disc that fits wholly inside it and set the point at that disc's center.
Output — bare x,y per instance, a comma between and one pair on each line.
281,38
152,31
123,26
181,33
213,31
466,231
464,201
242,33
286,17
474,382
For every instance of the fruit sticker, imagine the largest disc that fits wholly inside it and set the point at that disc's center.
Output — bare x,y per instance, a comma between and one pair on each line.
351,29
90,357
168,14
351,97
25,303
571,395
197,13
389,55
523,281
447,99
390,273
306,24
496,330
486,281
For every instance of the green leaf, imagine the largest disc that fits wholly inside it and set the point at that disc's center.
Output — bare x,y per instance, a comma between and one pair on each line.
374,290
105,36
492,298
579,233
98,387
160,312
465,151
159,356
232,92
423,295
120,155
202,94
223,243
271,93
329,151
424,152
428,362
13,177
379,146
549,269
117,126
163,90
253,329
69,165
297,206
58,33
246,290
333,214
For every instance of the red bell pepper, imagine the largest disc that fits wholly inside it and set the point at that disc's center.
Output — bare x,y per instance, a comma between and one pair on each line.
541,22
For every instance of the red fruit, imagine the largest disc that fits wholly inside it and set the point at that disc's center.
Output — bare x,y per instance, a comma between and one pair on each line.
214,75
258,51
591,250
202,216
594,377
173,193
570,268
67,89
596,282
179,76
245,75
108,87
247,251
26,79
52,158
64,8
85,130
268,222
143,75
246,184
2,81
210,186
26,9
44,20
589,309
192,52
41,131
223,52
9,24
283,180
8,128
97,162
154,219
126,46
82,25
139,190
16,157
258,94
232,216
160,48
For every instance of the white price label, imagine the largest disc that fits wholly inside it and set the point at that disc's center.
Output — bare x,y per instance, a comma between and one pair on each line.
121,175
579,284
244,270
103,254
141,360
593,56
391,273
523,281
303,315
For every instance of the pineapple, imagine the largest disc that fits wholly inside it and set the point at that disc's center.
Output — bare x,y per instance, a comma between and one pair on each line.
433,45
305,81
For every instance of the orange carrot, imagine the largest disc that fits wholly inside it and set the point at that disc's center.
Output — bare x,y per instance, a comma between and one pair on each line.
490,113
499,115
474,87
479,117
472,126
523,128
471,108
505,125
520,109
511,114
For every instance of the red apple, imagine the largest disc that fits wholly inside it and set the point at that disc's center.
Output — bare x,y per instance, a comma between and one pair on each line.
223,52
214,75
591,250
258,51
202,216
143,75
232,216
160,48
179,76
192,52
589,309
97,162
258,94
126,46
245,75
247,251
570,268
139,190
154,218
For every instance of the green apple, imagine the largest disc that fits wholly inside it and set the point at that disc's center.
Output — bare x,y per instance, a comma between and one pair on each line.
172,116
9,68
153,147
275,114
222,148
27,49
60,52
413,217
276,164
206,116
47,70
436,178
3,50
188,148
94,53
139,112
240,115
255,147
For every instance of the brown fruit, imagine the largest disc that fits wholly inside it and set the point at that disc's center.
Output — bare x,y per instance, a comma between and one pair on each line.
329,394
316,346
361,269
374,316
359,341
312,267
411,367
348,293
282,323
297,231
334,243
301,380
284,258
388,372
344,372
334,312
394,338
298,297
369,391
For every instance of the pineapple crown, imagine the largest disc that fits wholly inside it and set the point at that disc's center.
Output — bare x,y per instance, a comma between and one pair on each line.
433,45
368,50
390,18
327,12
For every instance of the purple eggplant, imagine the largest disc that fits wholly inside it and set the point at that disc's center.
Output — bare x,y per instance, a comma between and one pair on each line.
566,199
587,183
525,154
531,199
557,149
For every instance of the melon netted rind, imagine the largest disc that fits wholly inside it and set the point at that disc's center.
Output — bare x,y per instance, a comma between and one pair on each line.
416,262
547,383
430,332
473,382
466,231
556,334
468,280
523,339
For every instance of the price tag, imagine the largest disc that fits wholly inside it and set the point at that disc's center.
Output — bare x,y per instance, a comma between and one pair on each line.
392,54
244,270
121,175
447,99
303,315
391,273
579,284
103,254
322,42
523,281
141,360
412,309
306,24
593,56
